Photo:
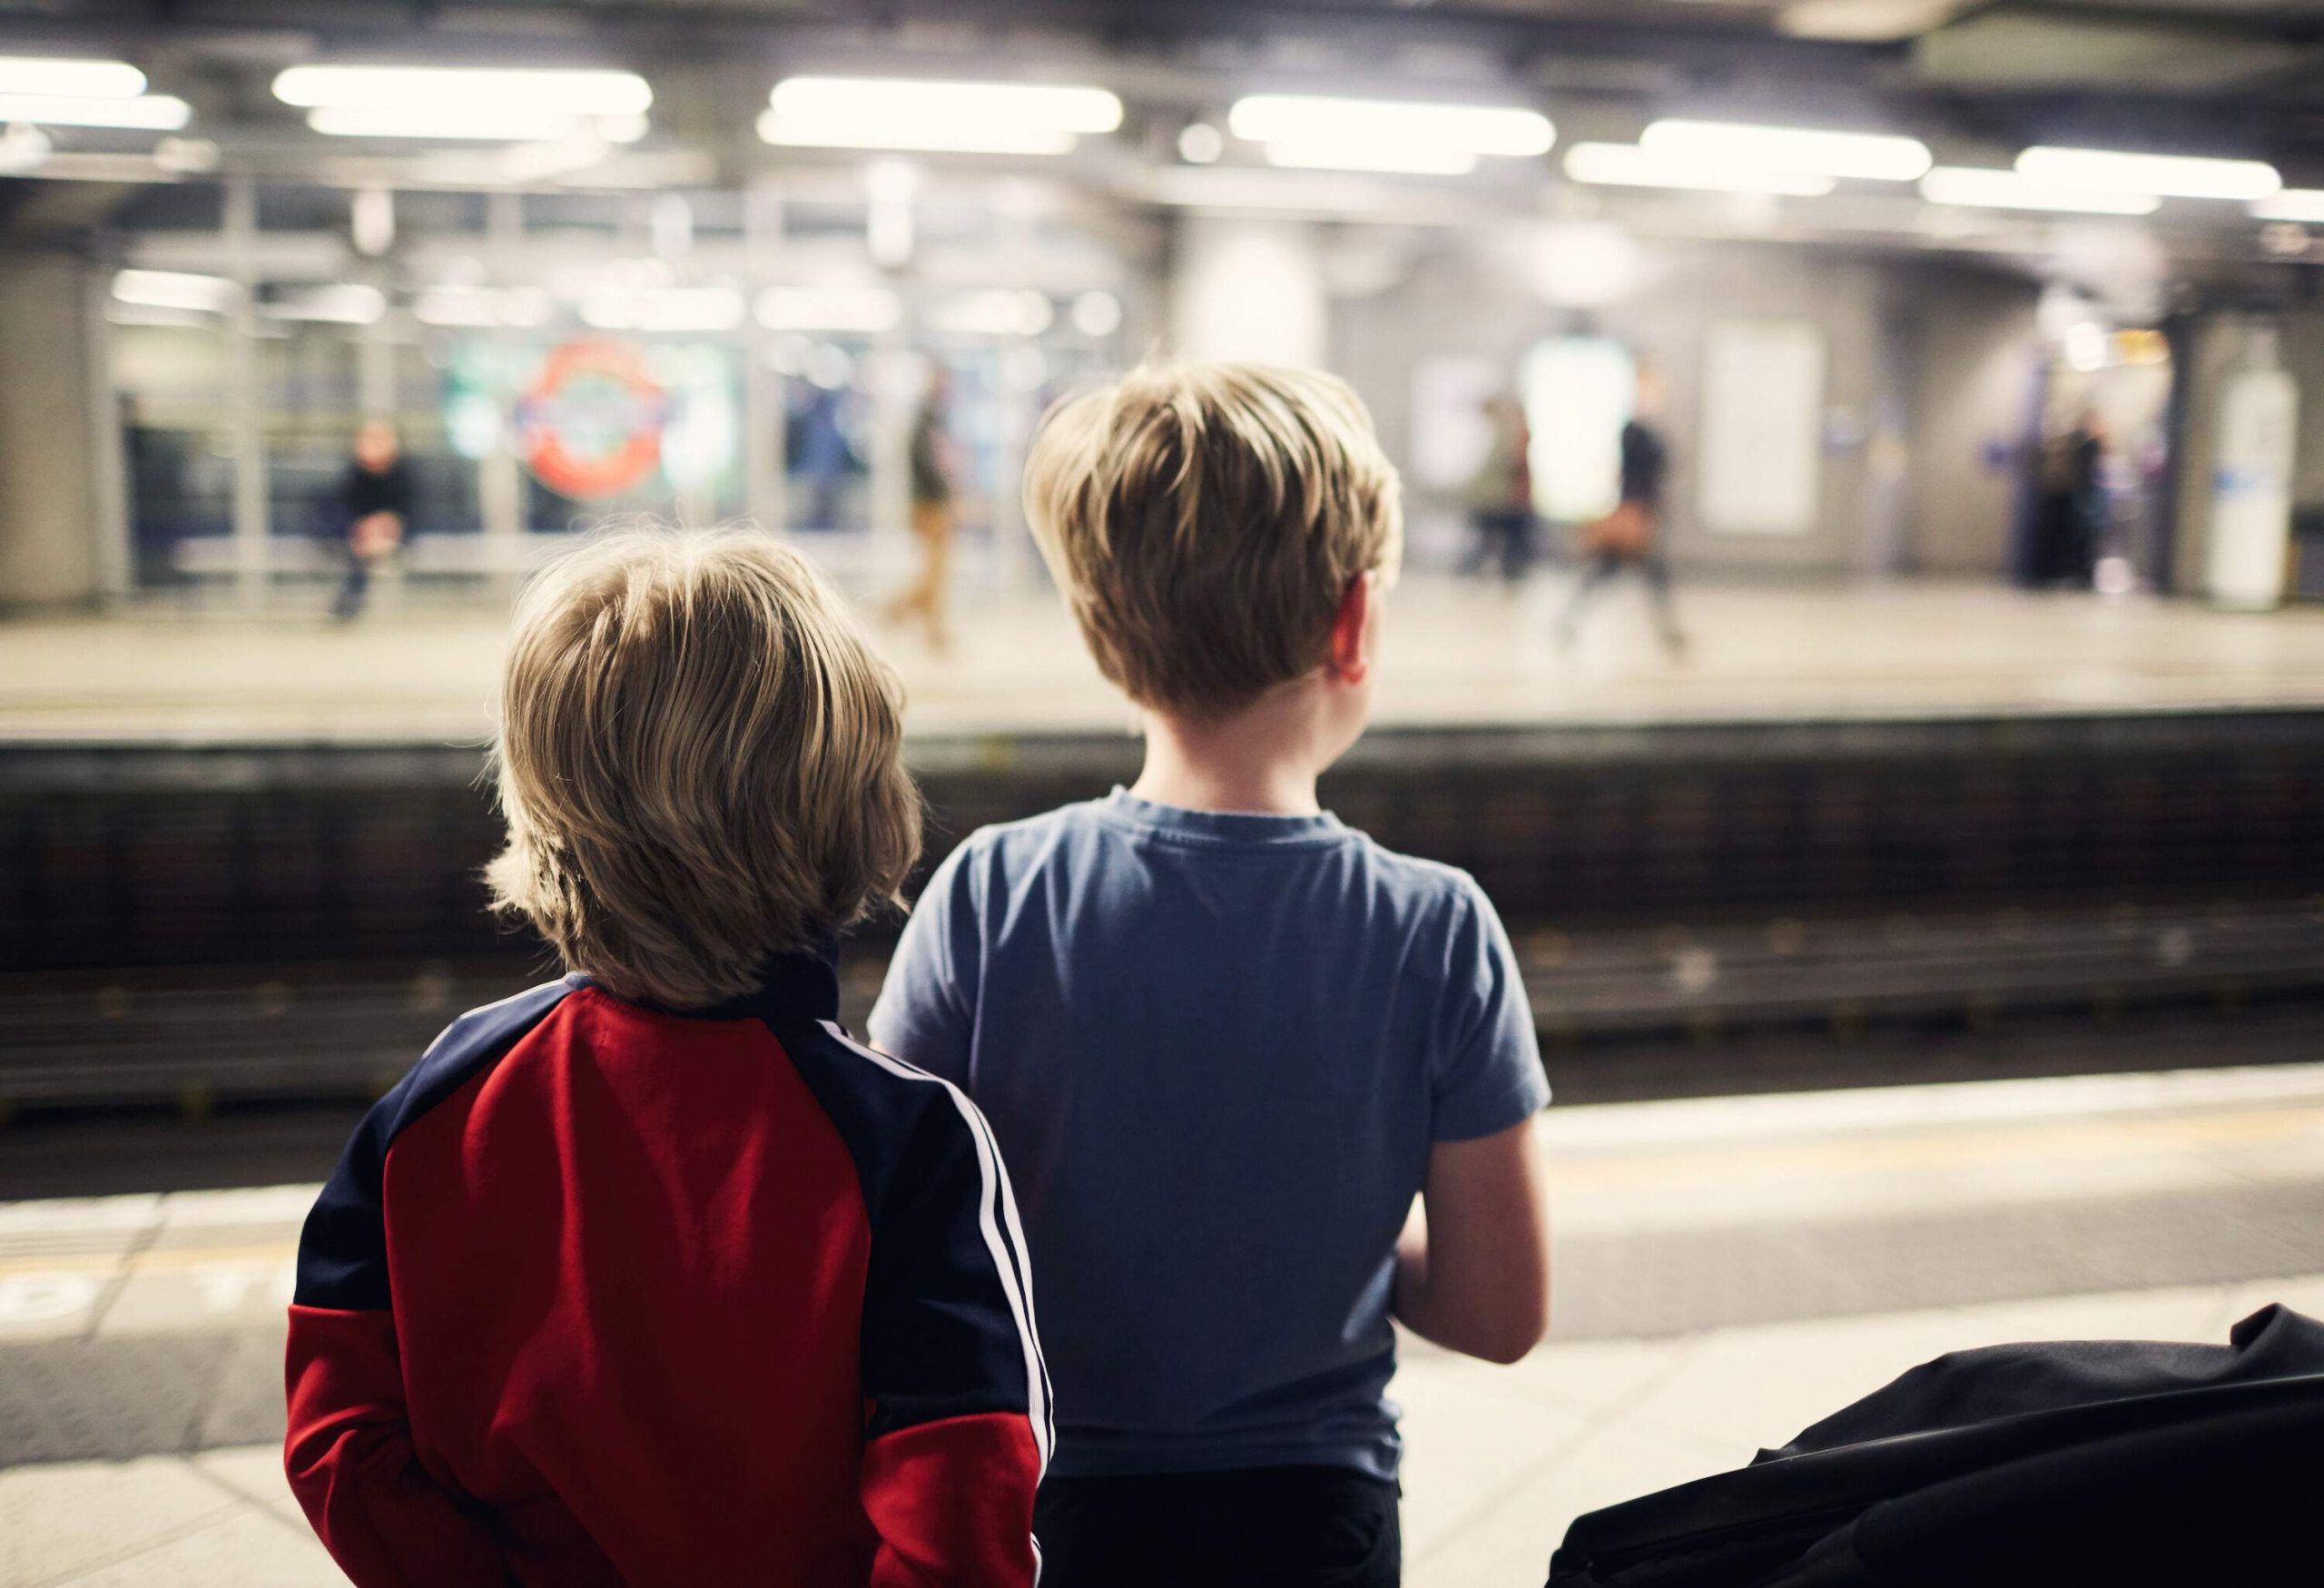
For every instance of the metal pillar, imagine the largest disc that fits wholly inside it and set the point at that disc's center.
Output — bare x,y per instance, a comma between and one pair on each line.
500,479
764,414
243,397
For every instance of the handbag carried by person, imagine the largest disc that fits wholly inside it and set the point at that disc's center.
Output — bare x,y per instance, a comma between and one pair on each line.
1626,532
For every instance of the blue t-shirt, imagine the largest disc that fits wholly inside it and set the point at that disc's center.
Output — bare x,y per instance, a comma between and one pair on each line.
1216,1050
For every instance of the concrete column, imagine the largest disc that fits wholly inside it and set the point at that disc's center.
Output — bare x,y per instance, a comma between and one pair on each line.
108,460
375,369
51,510
1247,288
2206,352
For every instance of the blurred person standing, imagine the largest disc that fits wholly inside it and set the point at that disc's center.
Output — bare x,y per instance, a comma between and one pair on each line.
2072,504
377,497
1500,495
1629,537
819,445
934,484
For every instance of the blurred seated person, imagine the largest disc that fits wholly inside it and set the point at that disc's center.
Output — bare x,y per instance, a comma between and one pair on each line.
377,497
1500,493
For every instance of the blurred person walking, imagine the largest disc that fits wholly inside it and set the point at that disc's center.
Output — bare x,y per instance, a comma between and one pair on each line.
934,484
1627,538
377,497
1500,495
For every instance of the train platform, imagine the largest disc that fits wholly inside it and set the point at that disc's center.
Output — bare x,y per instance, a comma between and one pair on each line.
1458,654
1730,1269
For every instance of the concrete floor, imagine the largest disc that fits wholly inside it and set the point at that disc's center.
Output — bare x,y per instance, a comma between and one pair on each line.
161,1291
1456,654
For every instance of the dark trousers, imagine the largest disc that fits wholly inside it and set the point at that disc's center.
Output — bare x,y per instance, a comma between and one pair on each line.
1261,1527
1504,533
353,587
1604,565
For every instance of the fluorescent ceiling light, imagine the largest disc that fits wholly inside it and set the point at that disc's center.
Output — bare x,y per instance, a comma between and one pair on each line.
900,112
867,309
2006,190
2293,203
1814,150
1628,165
918,140
1097,313
1396,159
149,113
60,76
462,306
335,303
665,309
996,312
23,147
175,289
554,91
2170,177
480,122
1313,121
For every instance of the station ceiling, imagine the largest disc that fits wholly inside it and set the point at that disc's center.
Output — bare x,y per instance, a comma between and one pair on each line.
1977,79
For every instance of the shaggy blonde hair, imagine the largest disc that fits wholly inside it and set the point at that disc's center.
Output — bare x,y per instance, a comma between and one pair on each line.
698,757
1206,520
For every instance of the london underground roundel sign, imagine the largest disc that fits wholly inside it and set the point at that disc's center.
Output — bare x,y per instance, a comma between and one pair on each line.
591,423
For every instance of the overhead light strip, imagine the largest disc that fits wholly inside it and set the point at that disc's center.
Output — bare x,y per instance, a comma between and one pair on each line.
148,113
1628,166
559,91
1308,120
2169,176
1808,150
61,77
2006,190
868,310
475,124
936,115
2293,203
175,289
1386,158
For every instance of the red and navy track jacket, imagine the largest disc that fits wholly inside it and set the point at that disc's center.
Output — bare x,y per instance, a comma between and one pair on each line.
603,1294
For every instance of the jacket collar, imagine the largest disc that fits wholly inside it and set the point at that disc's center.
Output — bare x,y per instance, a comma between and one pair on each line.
797,983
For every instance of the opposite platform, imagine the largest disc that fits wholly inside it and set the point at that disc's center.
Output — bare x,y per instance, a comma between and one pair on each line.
1457,655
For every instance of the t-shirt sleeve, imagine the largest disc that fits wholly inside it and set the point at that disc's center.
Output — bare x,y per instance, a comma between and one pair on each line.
927,1009
1489,1062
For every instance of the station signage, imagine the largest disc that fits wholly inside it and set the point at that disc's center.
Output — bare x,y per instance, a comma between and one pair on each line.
591,423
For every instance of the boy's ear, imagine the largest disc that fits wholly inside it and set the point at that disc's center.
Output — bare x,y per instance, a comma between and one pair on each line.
1350,652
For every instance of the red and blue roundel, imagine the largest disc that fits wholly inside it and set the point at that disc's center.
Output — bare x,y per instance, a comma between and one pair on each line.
591,423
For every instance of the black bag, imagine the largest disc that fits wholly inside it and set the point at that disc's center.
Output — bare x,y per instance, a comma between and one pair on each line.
2107,1462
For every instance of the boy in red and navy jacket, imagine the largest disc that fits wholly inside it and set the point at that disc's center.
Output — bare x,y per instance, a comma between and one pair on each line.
652,1274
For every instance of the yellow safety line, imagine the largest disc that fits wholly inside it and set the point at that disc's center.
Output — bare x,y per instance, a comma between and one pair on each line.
1913,1151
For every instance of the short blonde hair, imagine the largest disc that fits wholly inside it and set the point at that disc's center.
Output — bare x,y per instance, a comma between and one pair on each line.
1206,521
699,759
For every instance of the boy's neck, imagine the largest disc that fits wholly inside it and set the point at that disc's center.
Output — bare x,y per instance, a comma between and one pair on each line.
1262,760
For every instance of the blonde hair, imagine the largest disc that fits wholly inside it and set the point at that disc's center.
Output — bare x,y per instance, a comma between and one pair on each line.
698,757
1206,521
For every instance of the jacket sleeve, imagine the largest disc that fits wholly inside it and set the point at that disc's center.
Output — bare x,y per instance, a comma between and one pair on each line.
348,1449
960,1429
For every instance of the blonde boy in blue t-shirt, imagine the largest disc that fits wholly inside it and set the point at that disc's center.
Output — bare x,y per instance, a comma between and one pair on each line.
1223,1039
